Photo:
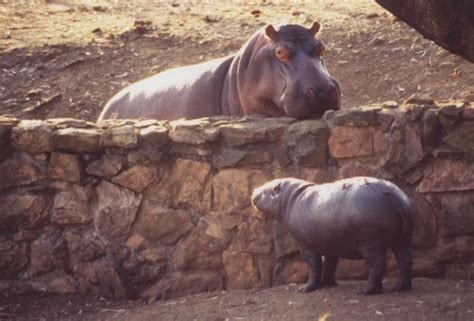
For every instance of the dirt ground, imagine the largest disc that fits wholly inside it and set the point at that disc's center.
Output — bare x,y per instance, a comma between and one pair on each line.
67,60
431,300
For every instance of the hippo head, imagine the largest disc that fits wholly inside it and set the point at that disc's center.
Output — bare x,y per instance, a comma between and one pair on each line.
295,80
272,198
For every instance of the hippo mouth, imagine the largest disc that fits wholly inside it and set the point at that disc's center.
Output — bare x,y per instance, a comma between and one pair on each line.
256,198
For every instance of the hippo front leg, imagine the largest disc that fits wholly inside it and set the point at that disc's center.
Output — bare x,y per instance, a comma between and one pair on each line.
329,270
314,280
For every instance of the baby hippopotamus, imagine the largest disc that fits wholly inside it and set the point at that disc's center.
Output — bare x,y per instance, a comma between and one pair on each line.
355,218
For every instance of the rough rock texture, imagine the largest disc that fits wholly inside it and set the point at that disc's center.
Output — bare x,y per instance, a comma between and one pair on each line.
65,167
160,209
116,210
77,140
73,206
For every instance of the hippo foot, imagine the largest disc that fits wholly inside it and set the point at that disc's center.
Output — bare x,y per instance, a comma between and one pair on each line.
370,291
308,288
329,283
401,288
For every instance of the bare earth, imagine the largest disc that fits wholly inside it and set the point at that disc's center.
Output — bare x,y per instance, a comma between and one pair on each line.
60,60
431,300
67,60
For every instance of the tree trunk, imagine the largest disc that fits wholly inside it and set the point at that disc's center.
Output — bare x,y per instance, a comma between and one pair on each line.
449,23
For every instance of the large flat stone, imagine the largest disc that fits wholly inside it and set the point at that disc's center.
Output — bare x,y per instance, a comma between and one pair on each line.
32,136
22,210
137,177
446,175
233,188
123,137
186,185
13,258
307,142
457,214
459,250
21,169
78,140
285,244
348,141
84,246
199,251
255,131
253,236
73,206
196,131
242,272
462,137
107,166
48,252
161,223
116,210
65,167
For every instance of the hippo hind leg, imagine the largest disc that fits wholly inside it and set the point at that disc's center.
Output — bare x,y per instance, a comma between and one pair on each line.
404,263
375,259
329,269
314,280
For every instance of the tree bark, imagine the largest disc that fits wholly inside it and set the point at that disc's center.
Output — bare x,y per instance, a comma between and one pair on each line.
449,23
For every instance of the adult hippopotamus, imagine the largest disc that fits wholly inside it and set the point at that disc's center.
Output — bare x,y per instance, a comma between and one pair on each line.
276,73
356,218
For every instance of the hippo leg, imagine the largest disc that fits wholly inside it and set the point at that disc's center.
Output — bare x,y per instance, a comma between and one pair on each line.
404,264
329,269
314,279
375,259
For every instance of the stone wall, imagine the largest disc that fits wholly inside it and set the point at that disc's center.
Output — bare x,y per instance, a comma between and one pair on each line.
160,209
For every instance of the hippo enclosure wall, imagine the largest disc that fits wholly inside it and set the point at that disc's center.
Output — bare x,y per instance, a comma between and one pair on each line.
159,209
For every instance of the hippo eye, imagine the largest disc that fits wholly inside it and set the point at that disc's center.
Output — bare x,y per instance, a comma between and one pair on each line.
276,188
282,53
319,50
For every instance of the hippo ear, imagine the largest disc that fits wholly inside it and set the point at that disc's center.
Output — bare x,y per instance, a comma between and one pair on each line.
315,28
271,33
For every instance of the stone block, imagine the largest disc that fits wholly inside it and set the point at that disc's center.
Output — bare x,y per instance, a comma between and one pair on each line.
161,223
122,137
241,270
77,140
116,211
22,210
307,141
19,170
137,177
198,251
446,175
32,136
65,167
73,206
348,141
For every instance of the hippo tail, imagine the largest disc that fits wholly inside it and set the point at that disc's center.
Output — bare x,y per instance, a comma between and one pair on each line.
407,213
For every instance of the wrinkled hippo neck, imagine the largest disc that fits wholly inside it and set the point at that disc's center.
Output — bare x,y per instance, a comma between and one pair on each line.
235,99
286,204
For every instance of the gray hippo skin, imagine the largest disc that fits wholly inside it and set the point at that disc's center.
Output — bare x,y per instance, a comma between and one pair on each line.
356,218
276,73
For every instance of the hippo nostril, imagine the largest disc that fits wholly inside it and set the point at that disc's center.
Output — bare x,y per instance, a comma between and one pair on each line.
323,94
310,92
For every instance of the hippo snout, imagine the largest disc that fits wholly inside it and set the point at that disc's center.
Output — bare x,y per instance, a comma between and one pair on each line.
257,195
321,93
